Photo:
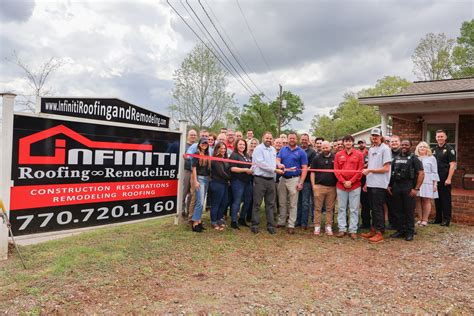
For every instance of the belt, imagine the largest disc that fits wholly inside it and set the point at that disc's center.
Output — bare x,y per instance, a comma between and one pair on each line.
266,178
289,177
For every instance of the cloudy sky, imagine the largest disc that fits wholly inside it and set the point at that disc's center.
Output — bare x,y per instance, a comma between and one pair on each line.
130,49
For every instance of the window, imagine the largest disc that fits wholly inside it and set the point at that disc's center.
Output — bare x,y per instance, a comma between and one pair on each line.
431,134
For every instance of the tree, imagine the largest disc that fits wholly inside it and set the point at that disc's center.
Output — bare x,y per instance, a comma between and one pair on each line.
463,52
350,116
263,116
388,85
199,93
432,57
36,79
294,108
256,115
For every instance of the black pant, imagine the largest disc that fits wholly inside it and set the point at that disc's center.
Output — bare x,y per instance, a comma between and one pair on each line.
365,205
263,189
377,198
365,208
392,217
443,203
403,210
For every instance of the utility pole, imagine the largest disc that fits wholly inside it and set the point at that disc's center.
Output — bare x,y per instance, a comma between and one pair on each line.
279,111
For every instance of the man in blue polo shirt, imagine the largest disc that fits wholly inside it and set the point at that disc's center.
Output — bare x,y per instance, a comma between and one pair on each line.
296,162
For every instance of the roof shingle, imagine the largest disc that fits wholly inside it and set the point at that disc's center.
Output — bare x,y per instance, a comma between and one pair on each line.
437,86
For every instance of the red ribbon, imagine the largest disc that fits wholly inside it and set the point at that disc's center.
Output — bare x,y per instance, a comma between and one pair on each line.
250,163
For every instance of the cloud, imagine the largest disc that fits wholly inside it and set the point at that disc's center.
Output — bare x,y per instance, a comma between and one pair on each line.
16,10
316,49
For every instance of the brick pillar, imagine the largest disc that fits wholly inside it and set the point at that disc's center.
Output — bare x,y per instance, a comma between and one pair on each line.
465,149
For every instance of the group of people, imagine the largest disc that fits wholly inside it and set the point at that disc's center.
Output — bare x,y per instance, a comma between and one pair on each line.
300,180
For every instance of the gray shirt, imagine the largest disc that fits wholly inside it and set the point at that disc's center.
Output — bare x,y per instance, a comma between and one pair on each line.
378,157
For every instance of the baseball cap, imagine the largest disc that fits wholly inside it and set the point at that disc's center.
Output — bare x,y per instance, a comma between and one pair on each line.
203,140
361,141
376,131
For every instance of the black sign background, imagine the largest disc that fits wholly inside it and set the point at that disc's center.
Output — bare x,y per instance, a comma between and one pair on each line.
44,217
51,106
24,126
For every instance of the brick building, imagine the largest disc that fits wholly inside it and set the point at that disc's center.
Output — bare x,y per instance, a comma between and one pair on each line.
426,106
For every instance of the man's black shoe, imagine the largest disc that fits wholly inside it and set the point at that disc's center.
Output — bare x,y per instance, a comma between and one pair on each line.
254,229
409,238
197,229
234,225
435,222
446,223
242,222
271,230
397,235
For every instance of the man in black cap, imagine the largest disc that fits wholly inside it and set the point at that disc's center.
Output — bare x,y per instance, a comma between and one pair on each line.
446,159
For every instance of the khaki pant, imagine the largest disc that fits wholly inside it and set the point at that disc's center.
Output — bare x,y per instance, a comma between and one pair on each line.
288,201
192,202
323,194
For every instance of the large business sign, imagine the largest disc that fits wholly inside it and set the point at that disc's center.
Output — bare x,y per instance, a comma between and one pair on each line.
110,110
70,174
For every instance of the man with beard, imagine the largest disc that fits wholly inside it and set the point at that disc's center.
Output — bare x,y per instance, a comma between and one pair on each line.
278,144
305,198
264,168
188,194
405,182
324,188
296,162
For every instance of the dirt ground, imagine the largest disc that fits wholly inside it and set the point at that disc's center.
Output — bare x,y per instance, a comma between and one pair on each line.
158,268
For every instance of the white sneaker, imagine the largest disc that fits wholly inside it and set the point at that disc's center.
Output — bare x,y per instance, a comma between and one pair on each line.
329,231
317,230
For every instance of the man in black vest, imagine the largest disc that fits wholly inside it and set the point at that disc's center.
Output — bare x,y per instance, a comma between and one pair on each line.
446,159
405,181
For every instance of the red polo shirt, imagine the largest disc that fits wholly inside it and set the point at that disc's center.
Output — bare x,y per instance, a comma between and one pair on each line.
349,161
229,146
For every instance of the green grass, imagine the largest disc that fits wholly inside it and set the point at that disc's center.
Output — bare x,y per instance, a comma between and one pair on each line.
131,255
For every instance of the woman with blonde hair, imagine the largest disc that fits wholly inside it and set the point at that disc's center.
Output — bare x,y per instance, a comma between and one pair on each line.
428,190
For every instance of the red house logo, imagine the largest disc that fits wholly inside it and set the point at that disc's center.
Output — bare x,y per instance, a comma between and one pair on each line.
59,157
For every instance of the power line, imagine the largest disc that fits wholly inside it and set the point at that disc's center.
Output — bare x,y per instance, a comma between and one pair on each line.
204,43
232,65
251,33
228,37
230,50
203,33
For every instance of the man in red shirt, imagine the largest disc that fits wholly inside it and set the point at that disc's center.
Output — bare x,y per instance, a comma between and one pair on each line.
348,186
230,139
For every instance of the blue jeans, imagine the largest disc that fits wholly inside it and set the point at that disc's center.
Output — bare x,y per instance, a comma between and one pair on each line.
305,201
343,197
241,192
219,200
200,196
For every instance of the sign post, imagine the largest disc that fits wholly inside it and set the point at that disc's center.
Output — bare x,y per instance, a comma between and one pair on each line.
5,170
182,150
